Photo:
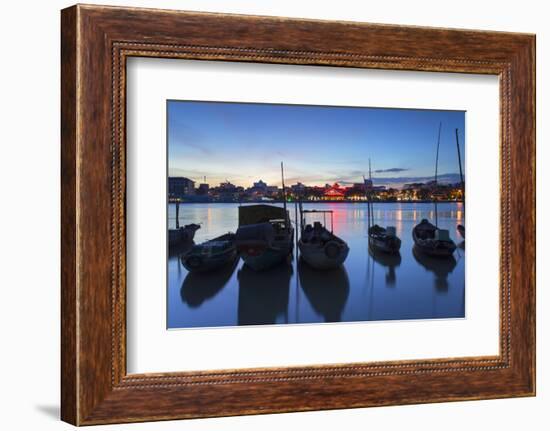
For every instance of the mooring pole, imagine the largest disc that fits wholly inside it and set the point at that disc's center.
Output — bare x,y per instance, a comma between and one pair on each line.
177,214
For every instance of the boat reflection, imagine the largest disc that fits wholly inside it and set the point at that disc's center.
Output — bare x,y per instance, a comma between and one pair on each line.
441,267
197,287
263,296
327,291
387,260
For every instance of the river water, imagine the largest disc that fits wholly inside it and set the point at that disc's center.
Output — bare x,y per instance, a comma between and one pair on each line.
366,288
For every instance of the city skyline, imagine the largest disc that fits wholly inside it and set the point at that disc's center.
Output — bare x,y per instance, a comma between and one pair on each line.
244,143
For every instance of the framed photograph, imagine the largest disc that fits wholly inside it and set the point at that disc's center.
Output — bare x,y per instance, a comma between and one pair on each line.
266,215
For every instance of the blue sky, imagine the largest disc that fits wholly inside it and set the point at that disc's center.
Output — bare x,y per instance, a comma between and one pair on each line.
245,142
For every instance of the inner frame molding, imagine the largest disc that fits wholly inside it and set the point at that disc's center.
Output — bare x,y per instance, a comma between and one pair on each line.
125,51
97,41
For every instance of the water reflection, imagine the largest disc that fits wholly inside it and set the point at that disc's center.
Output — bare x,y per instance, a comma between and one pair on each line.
441,267
387,260
327,291
369,287
263,295
200,286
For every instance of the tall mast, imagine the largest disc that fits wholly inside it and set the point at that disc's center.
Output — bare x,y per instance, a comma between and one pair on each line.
371,221
459,164
437,152
370,200
436,163
284,193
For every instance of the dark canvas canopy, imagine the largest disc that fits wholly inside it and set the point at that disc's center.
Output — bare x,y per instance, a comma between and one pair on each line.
261,232
253,214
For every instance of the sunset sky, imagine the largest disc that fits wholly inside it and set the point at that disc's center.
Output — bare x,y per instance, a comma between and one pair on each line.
243,143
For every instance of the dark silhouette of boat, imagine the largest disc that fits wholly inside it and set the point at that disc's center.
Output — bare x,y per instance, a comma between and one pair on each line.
428,238
211,255
180,249
433,241
263,296
380,239
197,287
384,240
387,260
182,235
265,237
326,291
319,247
440,267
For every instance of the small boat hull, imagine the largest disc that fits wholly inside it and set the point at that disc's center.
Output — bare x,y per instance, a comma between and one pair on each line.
264,245
390,245
211,255
267,258
436,250
424,237
196,263
329,256
384,239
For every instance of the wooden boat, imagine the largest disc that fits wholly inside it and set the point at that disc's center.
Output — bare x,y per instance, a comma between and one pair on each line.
380,239
384,239
433,241
319,247
211,255
265,237
182,235
428,238
265,234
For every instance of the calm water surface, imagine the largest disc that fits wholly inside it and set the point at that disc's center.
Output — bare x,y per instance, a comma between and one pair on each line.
409,286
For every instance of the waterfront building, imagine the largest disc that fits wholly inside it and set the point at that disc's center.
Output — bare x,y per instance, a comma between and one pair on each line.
178,187
203,189
334,193
298,188
260,186
357,192
227,192
260,190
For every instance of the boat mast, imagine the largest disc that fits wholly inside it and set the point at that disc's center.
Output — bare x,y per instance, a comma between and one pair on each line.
436,163
284,195
459,164
177,214
371,221
368,201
